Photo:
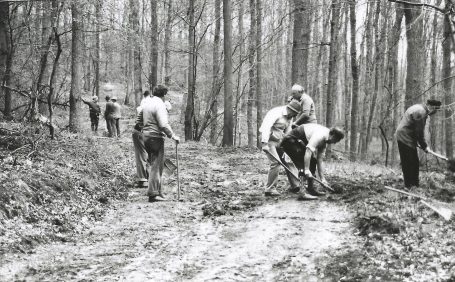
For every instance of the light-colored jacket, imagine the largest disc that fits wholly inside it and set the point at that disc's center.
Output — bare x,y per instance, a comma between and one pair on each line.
153,118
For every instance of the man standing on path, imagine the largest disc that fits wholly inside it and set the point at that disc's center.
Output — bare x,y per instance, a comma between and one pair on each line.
139,150
108,115
153,120
116,115
307,113
410,132
275,124
305,145
94,110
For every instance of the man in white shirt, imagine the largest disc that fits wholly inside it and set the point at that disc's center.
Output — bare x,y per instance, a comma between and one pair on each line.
275,124
305,145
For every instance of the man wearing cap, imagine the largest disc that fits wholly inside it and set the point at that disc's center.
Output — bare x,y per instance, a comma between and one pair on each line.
410,133
116,115
305,145
94,111
108,115
152,120
307,113
275,124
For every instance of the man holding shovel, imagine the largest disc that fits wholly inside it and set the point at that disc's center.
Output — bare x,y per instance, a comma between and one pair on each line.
275,124
153,120
410,132
305,145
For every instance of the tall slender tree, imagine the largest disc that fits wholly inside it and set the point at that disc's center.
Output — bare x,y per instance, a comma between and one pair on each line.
215,73
189,111
355,83
167,40
251,72
137,62
76,68
447,85
153,78
258,70
228,126
5,53
98,7
301,38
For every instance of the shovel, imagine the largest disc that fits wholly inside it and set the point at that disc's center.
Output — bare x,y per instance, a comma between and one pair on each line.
295,176
169,167
442,211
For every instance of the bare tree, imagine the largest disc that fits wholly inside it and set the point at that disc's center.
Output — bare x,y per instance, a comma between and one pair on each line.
355,83
76,68
167,39
251,72
301,38
258,71
98,6
446,72
5,53
228,126
137,62
153,78
189,111
215,73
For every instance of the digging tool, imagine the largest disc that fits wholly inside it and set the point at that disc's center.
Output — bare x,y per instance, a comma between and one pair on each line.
169,167
438,156
295,176
178,176
442,211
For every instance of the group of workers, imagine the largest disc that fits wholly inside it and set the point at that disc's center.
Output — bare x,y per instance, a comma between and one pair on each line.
290,136
112,115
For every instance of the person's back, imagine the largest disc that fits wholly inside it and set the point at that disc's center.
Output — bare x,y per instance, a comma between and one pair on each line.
155,117
116,110
413,120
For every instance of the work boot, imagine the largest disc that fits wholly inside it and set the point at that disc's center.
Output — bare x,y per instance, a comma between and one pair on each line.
304,196
294,189
313,191
271,193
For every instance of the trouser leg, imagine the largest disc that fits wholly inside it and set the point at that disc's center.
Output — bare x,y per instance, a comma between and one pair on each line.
140,155
274,169
117,126
409,164
293,181
155,151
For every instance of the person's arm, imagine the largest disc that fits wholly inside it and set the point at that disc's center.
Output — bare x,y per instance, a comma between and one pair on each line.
419,123
163,123
266,127
304,115
320,165
307,162
139,121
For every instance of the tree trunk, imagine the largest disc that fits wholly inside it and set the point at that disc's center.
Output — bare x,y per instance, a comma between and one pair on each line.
446,72
333,62
258,71
355,83
189,111
347,93
137,63
393,75
215,72
238,104
5,54
433,68
415,54
228,114
251,73
167,40
76,69
378,66
301,38
153,78
98,6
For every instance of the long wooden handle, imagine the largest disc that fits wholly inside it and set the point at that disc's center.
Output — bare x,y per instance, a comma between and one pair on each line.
404,192
178,176
295,176
439,156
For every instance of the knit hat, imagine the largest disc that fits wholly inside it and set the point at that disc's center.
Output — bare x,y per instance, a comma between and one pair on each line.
434,103
295,106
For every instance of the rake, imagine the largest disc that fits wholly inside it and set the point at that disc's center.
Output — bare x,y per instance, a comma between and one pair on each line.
432,204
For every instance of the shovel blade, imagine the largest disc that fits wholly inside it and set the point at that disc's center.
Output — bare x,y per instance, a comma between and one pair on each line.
169,167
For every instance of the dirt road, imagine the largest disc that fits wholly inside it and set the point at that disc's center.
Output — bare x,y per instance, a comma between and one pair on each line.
172,241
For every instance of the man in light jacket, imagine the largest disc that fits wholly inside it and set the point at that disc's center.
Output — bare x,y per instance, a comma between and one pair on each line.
153,121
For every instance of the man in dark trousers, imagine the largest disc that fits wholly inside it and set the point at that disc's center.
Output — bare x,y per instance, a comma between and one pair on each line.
94,110
154,123
305,145
410,132
108,115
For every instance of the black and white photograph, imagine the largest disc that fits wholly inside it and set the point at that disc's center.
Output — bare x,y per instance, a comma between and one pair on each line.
227,140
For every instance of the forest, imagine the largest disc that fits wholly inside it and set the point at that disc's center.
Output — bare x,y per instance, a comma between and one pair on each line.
226,63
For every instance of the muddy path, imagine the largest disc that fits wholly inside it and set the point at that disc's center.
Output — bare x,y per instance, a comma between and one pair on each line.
172,241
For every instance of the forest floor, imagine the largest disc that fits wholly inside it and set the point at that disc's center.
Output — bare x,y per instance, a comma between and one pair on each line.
69,212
